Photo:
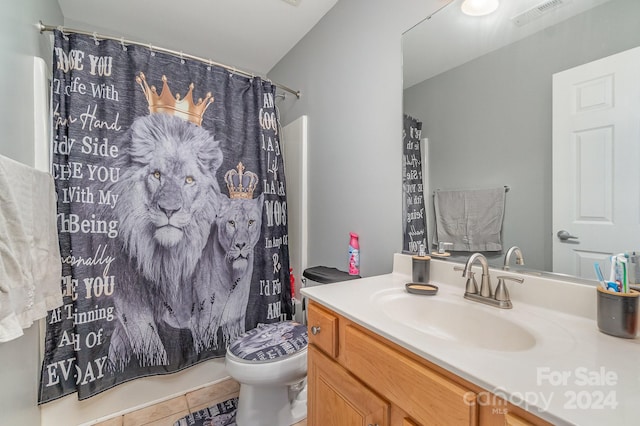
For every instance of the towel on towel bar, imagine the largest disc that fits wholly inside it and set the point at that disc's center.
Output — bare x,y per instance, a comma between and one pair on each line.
30,266
470,219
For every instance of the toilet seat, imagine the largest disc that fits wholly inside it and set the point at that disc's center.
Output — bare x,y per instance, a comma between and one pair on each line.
270,342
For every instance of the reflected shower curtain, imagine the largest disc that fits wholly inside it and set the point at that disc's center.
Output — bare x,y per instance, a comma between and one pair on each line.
171,214
414,224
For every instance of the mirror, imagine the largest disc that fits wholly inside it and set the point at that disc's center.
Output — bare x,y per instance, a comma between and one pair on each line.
482,88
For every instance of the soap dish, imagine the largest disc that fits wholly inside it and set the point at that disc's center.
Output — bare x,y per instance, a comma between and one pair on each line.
436,254
422,288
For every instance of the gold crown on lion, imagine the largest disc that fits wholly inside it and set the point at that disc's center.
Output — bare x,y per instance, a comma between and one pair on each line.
241,184
184,108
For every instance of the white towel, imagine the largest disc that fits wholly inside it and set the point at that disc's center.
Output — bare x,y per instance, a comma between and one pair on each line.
470,219
30,267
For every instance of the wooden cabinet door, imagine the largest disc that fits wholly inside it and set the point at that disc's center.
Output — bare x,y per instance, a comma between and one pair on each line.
514,420
336,398
428,397
323,329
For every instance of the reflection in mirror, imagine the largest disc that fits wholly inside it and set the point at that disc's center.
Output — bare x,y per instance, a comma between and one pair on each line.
482,88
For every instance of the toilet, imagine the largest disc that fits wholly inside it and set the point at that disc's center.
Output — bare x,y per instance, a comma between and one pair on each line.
270,363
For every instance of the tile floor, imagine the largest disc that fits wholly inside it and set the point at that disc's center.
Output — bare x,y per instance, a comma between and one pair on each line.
166,413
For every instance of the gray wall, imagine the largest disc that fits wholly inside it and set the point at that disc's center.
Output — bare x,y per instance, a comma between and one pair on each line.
489,121
19,42
349,70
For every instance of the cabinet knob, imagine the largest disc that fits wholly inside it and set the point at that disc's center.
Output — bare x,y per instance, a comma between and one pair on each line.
315,330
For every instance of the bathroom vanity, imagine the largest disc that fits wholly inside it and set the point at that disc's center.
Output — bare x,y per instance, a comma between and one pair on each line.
364,376
381,356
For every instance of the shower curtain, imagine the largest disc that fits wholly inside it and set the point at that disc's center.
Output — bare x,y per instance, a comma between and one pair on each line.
172,214
413,211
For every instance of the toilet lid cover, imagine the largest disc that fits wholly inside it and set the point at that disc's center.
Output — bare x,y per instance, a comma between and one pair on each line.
270,341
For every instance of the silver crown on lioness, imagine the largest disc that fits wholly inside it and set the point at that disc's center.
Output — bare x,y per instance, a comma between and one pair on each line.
241,184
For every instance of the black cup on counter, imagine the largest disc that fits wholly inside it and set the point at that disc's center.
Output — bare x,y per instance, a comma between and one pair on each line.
618,313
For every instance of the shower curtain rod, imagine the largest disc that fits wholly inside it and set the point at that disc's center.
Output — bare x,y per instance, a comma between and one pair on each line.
42,27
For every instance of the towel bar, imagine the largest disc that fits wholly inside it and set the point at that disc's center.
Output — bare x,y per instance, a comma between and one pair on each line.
506,189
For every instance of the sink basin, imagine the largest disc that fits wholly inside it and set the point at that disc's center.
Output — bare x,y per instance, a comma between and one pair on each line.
461,321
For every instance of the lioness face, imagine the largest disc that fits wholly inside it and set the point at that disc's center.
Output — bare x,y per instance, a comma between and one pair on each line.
239,229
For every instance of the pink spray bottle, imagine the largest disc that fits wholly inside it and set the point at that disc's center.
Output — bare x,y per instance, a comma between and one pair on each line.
354,254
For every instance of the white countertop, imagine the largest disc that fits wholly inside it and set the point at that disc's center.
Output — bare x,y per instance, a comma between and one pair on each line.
573,374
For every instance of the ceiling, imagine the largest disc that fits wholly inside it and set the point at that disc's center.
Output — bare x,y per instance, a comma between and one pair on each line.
450,38
250,35
253,35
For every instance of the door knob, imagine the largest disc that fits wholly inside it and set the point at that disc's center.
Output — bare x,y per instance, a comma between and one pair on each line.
315,329
565,235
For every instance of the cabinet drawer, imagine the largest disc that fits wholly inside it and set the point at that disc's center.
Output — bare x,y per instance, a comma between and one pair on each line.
427,396
323,329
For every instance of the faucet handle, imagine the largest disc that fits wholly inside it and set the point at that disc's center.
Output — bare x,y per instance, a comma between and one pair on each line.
461,269
502,293
515,279
472,286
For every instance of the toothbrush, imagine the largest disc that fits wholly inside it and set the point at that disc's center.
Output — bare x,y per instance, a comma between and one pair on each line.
625,282
599,274
612,270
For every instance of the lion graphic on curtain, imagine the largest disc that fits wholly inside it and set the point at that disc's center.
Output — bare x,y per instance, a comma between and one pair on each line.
191,246
229,261
168,200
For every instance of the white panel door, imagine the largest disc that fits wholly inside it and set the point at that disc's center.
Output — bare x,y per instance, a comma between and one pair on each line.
596,163
294,147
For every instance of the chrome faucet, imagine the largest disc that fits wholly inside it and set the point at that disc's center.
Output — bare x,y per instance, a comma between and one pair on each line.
501,298
485,282
519,258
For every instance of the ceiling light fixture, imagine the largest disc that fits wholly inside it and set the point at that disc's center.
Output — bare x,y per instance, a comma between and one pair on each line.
479,7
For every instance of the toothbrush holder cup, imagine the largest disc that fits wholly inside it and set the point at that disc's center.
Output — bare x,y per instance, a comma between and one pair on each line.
618,313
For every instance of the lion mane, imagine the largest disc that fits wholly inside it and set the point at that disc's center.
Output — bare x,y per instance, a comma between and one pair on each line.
168,196
168,199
